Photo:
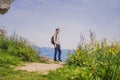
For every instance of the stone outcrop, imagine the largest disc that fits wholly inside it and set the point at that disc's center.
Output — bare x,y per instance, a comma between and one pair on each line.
2,32
5,5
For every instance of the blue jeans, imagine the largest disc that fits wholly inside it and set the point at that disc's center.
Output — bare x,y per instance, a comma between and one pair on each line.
57,49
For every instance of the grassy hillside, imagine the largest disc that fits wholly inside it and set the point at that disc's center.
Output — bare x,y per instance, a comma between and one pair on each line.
14,51
99,63
14,47
94,60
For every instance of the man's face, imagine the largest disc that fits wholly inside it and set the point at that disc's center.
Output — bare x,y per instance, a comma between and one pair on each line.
58,31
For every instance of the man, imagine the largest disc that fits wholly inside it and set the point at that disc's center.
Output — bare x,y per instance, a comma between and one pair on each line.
57,45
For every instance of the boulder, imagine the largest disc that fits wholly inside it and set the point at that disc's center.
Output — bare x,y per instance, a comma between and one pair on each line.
5,5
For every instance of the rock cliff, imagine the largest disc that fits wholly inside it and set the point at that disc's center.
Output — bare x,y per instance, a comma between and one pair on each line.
5,5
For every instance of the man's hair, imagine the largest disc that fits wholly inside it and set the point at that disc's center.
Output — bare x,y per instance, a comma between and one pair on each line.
57,29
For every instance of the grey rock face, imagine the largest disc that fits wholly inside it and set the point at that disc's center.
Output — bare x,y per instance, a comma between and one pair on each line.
5,5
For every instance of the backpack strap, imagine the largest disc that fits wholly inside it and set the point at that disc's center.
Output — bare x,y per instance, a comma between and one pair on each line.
55,37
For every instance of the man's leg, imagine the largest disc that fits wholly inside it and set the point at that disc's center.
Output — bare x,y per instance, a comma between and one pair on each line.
59,54
55,53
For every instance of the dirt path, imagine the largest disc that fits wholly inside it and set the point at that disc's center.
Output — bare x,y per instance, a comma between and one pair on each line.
43,68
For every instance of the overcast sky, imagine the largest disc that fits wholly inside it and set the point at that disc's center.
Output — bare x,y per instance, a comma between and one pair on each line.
37,20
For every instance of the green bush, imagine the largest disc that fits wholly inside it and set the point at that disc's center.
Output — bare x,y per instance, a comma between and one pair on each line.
71,73
17,47
3,43
15,50
94,60
5,58
101,63
102,60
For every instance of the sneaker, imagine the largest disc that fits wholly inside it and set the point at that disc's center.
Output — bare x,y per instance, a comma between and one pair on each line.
55,60
60,60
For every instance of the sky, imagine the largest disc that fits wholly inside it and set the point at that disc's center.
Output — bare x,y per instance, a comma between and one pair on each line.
36,20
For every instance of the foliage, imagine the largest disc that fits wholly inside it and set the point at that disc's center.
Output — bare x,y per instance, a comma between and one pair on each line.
6,58
93,60
17,47
15,50
7,73
103,63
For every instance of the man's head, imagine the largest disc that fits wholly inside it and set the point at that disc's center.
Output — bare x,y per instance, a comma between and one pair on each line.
57,30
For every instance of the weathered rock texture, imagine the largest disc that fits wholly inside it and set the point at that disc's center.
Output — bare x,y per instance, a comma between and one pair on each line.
5,5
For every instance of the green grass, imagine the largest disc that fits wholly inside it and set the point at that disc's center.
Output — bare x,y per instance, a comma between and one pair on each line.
6,58
17,47
70,73
94,60
15,51
7,73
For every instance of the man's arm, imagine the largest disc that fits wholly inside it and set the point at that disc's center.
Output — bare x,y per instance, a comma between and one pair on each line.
55,40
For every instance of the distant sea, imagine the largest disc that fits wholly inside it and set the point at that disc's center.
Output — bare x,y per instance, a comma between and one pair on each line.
49,52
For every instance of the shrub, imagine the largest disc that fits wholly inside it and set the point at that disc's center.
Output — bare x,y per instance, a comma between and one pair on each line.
93,60
6,58
18,47
102,60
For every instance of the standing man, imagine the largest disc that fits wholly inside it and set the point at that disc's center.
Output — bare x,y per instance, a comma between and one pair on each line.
57,45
